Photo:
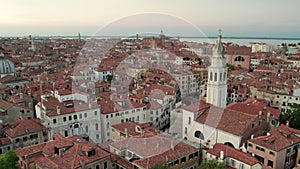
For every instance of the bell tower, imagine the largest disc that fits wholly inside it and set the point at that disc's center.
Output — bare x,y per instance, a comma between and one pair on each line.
217,76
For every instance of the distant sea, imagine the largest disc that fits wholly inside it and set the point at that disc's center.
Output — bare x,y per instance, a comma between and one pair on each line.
244,41
236,40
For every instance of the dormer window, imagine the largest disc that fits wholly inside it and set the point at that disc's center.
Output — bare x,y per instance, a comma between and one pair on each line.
91,153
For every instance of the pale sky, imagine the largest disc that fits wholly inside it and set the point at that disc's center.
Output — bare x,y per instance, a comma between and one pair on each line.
268,18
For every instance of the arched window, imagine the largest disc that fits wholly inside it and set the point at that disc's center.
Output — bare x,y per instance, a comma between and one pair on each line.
220,77
198,134
229,144
211,74
216,76
239,59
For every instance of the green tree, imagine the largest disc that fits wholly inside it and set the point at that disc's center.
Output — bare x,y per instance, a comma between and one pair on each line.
212,164
230,66
292,115
160,166
8,160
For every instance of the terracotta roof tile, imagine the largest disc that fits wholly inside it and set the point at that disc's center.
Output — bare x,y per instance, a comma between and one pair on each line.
23,127
233,153
231,121
279,138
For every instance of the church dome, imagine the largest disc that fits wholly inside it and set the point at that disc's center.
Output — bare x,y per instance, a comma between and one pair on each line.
6,66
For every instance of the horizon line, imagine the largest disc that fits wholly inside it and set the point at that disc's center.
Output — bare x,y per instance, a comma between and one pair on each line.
140,36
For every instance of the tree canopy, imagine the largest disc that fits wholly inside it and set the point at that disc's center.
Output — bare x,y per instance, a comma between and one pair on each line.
230,66
8,160
292,115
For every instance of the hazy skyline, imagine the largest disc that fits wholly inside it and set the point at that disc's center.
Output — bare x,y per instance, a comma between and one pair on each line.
268,18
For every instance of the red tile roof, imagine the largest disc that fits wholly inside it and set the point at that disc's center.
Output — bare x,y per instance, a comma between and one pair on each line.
6,105
181,149
131,127
231,121
254,108
279,138
146,147
233,153
52,103
4,141
121,161
23,127
74,152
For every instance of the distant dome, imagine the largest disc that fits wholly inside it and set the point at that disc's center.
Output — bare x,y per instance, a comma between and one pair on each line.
6,66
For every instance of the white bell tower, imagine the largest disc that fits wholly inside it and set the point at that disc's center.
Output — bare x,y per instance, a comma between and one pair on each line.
217,76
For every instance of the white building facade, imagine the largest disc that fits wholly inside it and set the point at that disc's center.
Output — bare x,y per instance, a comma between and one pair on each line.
217,76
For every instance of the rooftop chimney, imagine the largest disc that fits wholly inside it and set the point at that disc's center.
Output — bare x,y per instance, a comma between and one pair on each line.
260,113
222,155
58,109
21,96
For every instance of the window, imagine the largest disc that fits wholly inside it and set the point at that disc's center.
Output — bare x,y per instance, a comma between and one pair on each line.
288,150
250,145
95,113
199,135
260,148
224,77
91,153
176,162
183,160
96,126
252,126
54,121
105,165
220,77
272,153
80,116
85,115
190,119
65,119
216,75
17,140
24,138
70,117
191,156
270,163
75,117
242,166
97,136
98,166
185,130
86,128
232,163
211,74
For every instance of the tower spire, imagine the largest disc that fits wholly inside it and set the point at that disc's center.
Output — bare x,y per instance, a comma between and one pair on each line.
217,76
219,49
